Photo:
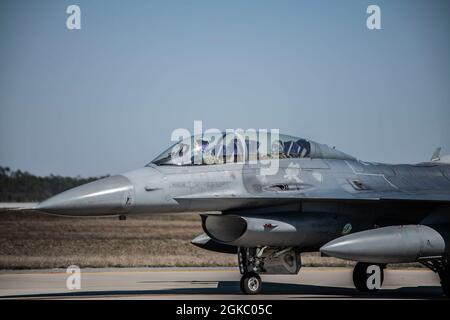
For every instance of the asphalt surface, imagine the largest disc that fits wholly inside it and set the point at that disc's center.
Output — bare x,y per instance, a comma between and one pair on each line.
211,283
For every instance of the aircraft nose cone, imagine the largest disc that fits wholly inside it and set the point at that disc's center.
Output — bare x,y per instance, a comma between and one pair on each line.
112,195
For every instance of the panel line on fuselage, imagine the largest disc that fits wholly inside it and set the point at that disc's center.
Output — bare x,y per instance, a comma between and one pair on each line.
371,174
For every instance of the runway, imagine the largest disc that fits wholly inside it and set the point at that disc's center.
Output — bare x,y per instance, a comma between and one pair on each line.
211,283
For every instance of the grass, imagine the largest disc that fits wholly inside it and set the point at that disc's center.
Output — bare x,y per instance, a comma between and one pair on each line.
33,241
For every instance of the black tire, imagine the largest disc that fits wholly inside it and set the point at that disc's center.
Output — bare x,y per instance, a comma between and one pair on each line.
251,283
360,277
445,282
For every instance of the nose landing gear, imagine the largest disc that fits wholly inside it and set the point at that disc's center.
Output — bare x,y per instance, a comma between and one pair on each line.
265,260
251,283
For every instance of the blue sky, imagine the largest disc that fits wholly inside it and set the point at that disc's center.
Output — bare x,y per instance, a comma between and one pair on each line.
105,99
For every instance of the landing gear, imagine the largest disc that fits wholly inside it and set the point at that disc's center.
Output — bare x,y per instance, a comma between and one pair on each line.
441,267
251,283
265,260
249,265
368,277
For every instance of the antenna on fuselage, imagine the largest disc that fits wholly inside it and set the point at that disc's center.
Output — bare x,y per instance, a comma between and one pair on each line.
436,155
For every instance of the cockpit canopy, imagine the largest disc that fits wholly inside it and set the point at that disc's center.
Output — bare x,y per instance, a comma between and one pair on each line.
235,147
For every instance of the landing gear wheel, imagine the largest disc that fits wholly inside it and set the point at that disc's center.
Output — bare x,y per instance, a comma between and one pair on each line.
251,283
445,282
368,277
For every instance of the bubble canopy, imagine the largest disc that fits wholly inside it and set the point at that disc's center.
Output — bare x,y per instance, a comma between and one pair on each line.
235,147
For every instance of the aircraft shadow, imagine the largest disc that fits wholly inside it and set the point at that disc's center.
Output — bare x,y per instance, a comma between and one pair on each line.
291,291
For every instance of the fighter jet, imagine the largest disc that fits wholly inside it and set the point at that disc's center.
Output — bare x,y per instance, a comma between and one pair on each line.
270,199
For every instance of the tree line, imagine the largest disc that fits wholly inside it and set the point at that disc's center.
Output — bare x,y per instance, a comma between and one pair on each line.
22,186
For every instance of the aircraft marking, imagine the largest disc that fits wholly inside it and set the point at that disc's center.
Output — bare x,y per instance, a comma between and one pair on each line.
371,174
